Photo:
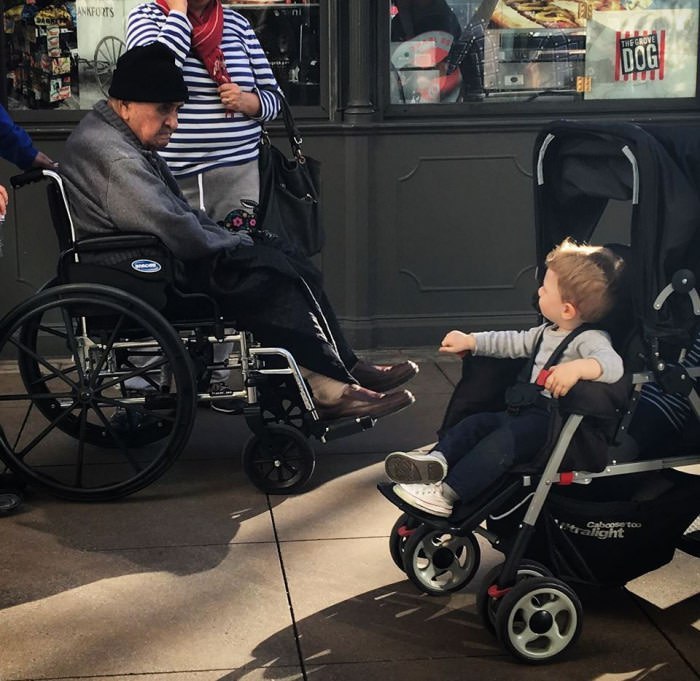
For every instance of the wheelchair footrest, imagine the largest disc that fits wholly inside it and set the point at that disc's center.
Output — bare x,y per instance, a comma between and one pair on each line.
332,430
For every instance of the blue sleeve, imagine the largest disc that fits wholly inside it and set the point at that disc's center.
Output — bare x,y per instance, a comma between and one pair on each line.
15,144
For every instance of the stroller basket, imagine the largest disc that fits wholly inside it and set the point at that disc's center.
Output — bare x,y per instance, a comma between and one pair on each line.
612,531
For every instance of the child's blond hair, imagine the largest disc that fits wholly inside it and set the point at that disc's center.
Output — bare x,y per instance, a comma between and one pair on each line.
587,277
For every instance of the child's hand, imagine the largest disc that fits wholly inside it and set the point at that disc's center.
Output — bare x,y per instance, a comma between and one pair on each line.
565,376
458,343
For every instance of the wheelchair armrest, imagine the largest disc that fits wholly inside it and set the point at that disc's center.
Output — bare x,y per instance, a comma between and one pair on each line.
117,242
28,177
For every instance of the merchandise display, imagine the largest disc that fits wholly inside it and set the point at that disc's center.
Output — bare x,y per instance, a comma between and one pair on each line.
61,53
40,39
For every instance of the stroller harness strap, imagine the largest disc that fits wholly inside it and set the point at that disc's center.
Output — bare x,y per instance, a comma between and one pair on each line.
526,393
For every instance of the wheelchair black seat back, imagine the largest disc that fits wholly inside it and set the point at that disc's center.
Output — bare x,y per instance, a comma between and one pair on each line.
109,360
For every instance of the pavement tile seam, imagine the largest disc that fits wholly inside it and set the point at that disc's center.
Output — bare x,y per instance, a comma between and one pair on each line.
144,676
639,604
287,589
303,540
189,545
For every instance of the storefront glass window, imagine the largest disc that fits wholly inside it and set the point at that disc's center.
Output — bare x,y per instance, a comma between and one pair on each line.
61,53
448,51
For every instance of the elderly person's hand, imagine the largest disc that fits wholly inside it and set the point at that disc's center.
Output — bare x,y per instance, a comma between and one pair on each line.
236,100
3,201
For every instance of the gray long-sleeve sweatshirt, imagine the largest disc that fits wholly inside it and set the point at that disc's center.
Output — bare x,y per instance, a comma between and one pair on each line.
590,344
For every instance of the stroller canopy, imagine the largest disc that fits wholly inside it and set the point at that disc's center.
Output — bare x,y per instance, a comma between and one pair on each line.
579,167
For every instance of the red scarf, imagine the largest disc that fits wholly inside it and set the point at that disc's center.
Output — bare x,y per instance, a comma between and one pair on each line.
207,31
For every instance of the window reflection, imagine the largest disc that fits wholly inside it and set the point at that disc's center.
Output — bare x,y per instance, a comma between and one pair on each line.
61,53
289,32
445,51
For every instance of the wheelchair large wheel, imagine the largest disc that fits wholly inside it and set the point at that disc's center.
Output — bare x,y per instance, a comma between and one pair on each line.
487,606
539,619
38,379
72,424
438,562
280,461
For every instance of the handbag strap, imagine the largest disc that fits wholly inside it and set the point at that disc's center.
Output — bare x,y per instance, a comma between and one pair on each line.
295,138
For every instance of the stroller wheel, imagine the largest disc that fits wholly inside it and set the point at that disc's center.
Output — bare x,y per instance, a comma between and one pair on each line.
538,619
403,528
487,606
279,462
438,562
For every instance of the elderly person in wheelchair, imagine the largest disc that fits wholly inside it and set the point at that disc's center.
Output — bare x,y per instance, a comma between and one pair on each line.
117,182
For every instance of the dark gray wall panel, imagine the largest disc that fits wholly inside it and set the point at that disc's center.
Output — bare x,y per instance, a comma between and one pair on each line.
426,231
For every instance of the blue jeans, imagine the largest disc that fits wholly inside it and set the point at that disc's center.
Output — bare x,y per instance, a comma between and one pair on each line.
482,447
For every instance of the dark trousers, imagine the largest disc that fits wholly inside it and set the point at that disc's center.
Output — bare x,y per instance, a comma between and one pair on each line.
277,294
482,447
655,434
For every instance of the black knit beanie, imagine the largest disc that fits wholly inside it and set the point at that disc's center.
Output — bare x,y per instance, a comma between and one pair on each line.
148,74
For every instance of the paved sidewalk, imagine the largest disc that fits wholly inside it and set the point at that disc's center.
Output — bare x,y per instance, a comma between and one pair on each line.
202,578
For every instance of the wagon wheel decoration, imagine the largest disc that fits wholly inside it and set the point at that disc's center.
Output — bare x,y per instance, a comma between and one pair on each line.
108,50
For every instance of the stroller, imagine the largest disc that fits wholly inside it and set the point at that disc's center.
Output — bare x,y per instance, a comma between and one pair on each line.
587,511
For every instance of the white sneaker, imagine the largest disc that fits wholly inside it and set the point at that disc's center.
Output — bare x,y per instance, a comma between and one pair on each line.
428,498
408,467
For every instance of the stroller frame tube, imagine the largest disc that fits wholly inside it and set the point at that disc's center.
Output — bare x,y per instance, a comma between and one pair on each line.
549,477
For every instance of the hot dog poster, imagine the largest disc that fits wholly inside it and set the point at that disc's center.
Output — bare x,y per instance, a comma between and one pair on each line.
569,14
641,54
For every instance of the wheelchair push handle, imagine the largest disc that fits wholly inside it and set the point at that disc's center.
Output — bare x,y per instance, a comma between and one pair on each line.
28,177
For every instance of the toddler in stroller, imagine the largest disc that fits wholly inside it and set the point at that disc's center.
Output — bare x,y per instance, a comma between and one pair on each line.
592,507
577,291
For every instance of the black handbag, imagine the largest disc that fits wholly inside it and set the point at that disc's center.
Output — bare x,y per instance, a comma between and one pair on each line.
289,190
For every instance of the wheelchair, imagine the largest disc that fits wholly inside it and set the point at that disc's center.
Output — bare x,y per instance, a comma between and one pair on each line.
111,361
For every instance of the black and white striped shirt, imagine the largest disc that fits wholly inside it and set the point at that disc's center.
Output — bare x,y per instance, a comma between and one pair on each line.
206,137
674,407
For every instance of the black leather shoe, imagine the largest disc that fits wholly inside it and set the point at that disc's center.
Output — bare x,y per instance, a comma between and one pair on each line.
383,377
357,401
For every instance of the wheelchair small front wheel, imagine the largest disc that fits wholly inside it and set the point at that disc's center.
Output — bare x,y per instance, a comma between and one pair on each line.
279,461
10,501
439,562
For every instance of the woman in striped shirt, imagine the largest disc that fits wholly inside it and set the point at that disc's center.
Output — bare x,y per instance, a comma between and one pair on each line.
214,152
